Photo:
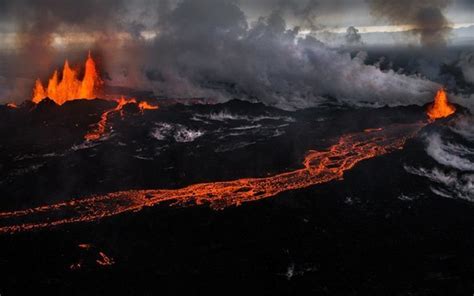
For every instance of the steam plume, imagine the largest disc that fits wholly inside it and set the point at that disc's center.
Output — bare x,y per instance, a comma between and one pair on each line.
425,15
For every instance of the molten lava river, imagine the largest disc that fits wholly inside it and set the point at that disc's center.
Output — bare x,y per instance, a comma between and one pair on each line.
319,166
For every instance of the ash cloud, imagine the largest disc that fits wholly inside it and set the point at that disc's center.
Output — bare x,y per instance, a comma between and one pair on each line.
427,17
305,11
222,56
209,49
466,63
36,23
352,36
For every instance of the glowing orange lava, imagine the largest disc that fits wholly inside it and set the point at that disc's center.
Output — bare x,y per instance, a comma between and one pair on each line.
104,260
70,87
441,107
143,105
319,167
101,258
12,105
101,127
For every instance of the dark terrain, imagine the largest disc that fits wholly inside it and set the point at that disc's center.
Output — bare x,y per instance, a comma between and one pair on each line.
380,231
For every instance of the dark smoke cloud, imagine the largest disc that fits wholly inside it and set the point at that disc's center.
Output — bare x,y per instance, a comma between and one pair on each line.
305,11
466,63
207,48
35,24
352,36
204,53
425,15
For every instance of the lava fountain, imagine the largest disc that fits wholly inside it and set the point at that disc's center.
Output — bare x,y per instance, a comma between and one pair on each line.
441,107
69,87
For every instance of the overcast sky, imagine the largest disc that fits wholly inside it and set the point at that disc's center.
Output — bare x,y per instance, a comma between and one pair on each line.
343,13
324,13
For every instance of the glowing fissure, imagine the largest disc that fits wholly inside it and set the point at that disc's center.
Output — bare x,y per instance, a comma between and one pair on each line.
69,87
319,167
101,127
441,107
104,260
143,105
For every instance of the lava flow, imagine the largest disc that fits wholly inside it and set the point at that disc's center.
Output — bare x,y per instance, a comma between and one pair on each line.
319,167
143,105
69,87
100,130
441,107
101,127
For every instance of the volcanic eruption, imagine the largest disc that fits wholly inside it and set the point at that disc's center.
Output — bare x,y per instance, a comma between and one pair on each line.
272,146
440,108
319,167
69,86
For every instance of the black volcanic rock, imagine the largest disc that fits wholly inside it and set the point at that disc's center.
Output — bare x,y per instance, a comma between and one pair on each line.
85,105
377,227
131,108
27,105
159,148
46,105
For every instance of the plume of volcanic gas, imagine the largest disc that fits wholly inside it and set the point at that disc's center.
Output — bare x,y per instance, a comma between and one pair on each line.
69,87
425,16
441,107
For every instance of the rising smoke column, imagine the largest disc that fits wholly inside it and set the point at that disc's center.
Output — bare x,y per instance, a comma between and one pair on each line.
352,36
426,16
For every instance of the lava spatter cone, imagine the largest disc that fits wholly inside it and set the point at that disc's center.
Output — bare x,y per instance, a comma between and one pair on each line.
440,108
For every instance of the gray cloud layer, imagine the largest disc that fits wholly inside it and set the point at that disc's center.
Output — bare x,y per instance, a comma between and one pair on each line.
427,16
208,48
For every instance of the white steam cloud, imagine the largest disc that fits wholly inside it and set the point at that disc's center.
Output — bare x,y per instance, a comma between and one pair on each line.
450,154
455,179
451,184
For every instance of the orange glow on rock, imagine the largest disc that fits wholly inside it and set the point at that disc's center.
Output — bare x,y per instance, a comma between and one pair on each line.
441,107
318,167
143,105
70,87
104,260
101,127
